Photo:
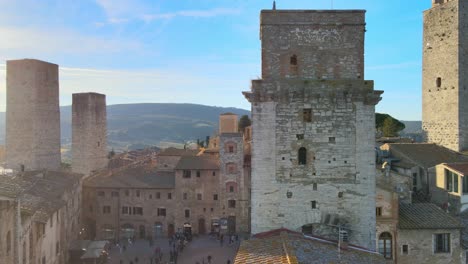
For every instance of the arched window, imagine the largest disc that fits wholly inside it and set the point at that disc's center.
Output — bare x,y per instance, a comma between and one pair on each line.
302,154
385,245
293,60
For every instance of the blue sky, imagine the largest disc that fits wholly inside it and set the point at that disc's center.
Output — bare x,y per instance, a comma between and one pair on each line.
194,51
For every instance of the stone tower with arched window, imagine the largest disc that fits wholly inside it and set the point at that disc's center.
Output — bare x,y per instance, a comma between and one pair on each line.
445,60
313,126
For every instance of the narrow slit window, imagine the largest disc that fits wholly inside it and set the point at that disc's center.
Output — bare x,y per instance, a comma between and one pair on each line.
302,154
439,82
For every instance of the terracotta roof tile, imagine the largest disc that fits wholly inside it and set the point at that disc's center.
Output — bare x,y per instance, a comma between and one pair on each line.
425,216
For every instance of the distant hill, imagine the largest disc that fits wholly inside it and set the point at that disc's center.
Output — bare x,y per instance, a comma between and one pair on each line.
132,126
412,126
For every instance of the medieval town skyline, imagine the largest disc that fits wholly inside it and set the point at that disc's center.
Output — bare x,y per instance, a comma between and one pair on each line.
136,51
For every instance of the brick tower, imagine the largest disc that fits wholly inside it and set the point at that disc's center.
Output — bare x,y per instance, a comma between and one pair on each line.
89,132
313,126
32,115
445,60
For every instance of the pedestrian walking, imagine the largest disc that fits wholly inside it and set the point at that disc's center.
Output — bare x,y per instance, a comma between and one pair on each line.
209,259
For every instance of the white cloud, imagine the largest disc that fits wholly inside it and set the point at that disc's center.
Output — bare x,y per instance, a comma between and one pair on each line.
31,42
192,13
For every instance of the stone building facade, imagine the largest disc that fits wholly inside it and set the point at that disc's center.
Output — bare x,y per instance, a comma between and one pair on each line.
32,115
40,216
89,132
445,40
313,125
202,190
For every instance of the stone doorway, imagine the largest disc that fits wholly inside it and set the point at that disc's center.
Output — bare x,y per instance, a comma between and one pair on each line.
170,230
201,226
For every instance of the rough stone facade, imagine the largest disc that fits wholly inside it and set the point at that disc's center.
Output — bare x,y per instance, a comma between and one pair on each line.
33,115
313,125
89,132
40,216
234,183
420,244
445,40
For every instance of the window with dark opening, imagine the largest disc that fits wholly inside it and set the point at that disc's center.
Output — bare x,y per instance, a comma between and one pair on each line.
300,136
293,60
439,82
187,173
314,186
198,174
442,243
331,140
307,115
232,203
404,249
199,196
231,188
302,154
187,213
313,204
378,211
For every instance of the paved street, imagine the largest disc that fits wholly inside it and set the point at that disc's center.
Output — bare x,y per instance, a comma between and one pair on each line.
196,251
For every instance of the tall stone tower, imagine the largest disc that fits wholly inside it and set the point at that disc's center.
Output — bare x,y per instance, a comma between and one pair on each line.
445,62
32,115
313,165
89,132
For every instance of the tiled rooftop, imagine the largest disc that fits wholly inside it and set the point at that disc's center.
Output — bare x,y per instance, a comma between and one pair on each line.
197,163
136,175
426,155
286,247
40,192
425,216
178,152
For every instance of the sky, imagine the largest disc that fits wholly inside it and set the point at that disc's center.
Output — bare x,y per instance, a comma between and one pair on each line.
195,51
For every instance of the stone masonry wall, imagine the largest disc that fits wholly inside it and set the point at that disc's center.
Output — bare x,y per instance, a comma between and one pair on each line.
421,247
33,115
89,132
312,64
237,179
327,44
441,117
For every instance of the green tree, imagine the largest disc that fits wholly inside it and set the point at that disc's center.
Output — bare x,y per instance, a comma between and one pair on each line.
390,127
381,118
244,122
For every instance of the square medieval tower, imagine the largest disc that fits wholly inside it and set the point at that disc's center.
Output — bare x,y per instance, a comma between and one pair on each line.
313,161
445,60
